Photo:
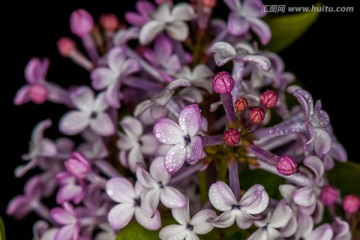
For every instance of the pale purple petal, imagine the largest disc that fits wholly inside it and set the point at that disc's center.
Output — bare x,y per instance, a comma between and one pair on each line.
168,132
112,95
129,67
120,190
36,70
70,192
225,220
290,228
199,221
316,165
261,61
67,233
181,215
131,126
305,197
83,98
163,49
100,104
305,100
243,219
150,30
120,215
323,232
183,12
281,215
341,229
145,7
48,148
221,196
62,217
175,232
147,221
194,150
22,95
18,207
145,178
74,122
287,191
259,234
172,198
102,125
254,8
158,170
261,29
135,19
178,30
102,78
237,25
255,200
322,142
135,158
223,52
151,200
190,120
305,226
149,144
339,152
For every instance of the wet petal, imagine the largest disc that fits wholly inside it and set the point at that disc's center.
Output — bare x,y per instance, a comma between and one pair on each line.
194,150
322,142
120,190
255,200
221,196
190,120
174,232
224,220
199,221
167,131
147,221
175,158
305,197
316,165
151,200
145,178
120,215
172,198
243,219
287,191
181,215
223,52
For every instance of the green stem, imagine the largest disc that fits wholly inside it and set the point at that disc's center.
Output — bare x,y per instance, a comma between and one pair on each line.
203,187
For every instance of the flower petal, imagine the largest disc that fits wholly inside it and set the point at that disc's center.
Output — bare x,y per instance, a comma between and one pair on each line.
102,125
305,226
67,233
182,12
305,197
261,29
178,30
163,49
173,232
322,142
167,131
172,198
243,219
149,144
22,95
255,200
120,215
223,52
281,215
316,165
287,191
225,220
199,221
151,200
194,150
18,207
150,30
102,78
237,25
62,217
181,215
147,221
290,228
135,158
74,122
83,98
323,232
221,196
190,119
132,127
145,178
120,189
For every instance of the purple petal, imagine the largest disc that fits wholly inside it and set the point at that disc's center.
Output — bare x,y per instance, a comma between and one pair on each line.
341,229
135,158
175,158
102,125
237,25
221,196
305,197
255,200
261,61
287,191
120,215
151,200
194,150
290,228
83,98
172,198
323,232
305,226
149,145
190,120
178,30
175,232
224,220
316,165
62,217
234,5
70,192
102,78
18,207
147,221
22,95
38,132
145,178
305,100
261,29
243,219
132,127
36,69
158,170
150,56
199,221
74,122
150,30
48,148
33,187
120,190
223,52
322,142
167,131
112,95
339,152
69,232
281,215
100,104
181,215
144,7
163,48
135,19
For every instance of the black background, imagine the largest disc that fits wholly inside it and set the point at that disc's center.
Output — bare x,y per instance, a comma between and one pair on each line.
325,59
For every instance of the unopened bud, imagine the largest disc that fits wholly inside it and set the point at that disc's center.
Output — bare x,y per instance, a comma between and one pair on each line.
329,195
38,93
223,83
66,46
208,3
351,204
231,137
286,165
109,22
269,99
241,104
256,115
81,23
78,165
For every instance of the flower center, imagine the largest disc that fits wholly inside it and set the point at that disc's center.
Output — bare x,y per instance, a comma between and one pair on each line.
160,184
189,227
137,202
235,207
93,114
187,140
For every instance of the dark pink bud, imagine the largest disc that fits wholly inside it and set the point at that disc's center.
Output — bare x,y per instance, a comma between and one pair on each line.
351,203
256,115
208,3
329,195
223,83
81,23
241,104
66,46
78,165
109,22
269,99
38,93
231,137
286,165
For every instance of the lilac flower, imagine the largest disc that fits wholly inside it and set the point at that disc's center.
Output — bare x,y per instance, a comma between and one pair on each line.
110,78
94,146
188,229
253,202
131,202
246,15
68,219
135,143
40,148
42,231
187,145
70,189
199,77
305,230
270,228
157,180
337,151
145,9
171,20
90,113
162,56
341,229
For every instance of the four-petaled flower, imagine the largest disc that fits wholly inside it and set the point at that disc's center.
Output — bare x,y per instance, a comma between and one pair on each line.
187,144
68,219
145,9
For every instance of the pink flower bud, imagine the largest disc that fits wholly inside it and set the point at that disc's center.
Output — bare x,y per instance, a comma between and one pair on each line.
109,22
208,3
241,104
231,137
66,46
38,93
223,83
269,99
78,165
256,115
329,195
351,203
81,23
286,165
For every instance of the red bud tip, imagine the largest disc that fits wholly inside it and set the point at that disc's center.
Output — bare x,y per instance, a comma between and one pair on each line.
256,115
351,204
231,137
66,46
223,83
286,165
241,104
109,22
208,3
329,195
269,99
38,93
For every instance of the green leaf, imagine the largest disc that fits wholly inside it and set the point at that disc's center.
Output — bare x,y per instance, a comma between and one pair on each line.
346,177
286,29
2,230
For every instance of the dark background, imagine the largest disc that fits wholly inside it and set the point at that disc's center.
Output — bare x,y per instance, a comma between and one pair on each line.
325,59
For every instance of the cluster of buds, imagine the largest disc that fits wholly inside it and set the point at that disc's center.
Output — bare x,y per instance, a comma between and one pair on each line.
153,141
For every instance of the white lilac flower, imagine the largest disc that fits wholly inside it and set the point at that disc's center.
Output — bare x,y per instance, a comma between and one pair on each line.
187,144
170,20
157,180
134,144
130,202
199,77
90,113
188,228
243,211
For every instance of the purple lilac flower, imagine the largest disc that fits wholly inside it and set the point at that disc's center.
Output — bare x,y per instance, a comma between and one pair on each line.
145,9
187,144
68,219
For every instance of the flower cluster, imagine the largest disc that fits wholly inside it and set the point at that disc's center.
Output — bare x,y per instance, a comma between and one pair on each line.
178,107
